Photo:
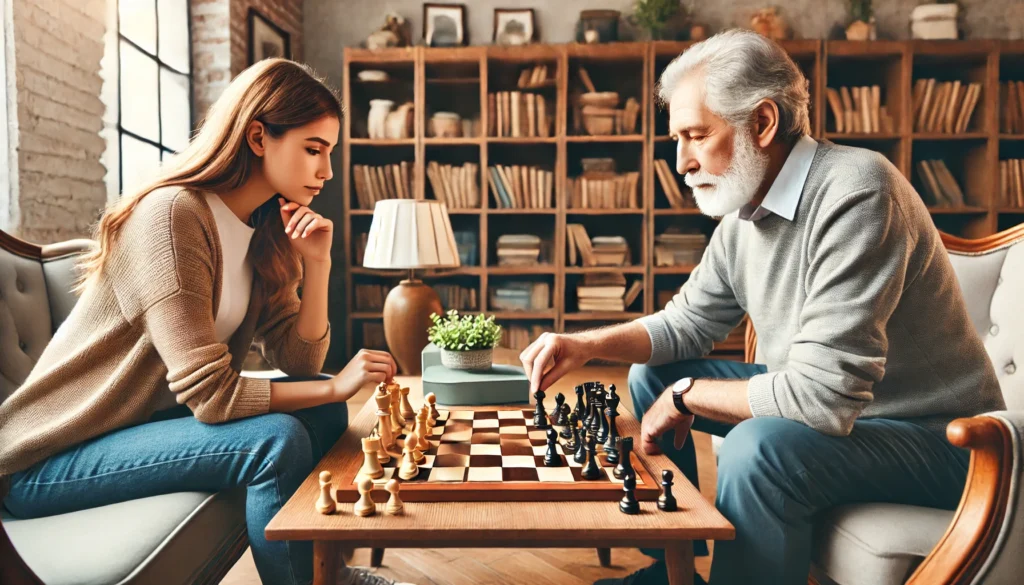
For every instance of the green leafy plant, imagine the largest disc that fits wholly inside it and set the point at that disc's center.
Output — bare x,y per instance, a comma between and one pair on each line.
463,333
860,10
653,15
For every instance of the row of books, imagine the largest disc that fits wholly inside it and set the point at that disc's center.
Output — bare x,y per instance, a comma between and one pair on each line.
455,186
606,291
375,183
518,114
945,107
599,251
940,188
677,199
1012,113
370,297
603,190
1011,182
859,109
373,336
535,76
454,296
521,187
679,249
519,337
518,250
520,296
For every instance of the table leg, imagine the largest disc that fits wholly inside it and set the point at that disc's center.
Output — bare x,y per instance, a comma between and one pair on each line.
604,556
326,557
679,562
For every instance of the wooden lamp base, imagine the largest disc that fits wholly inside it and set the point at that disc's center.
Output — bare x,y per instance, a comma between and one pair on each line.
407,312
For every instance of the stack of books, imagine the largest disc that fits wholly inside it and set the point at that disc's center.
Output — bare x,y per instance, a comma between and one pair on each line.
678,249
373,336
859,109
518,250
606,291
601,251
520,296
518,114
677,199
945,107
455,186
1012,113
375,183
521,187
456,297
518,337
603,190
361,241
535,76
940,188
1011,182
370,297
465,241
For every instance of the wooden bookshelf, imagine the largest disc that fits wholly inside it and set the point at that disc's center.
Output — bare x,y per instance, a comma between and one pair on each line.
460,79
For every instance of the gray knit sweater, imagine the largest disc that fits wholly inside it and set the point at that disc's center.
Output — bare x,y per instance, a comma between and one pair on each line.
856,306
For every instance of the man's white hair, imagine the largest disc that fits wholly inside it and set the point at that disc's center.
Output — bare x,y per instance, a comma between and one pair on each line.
740,69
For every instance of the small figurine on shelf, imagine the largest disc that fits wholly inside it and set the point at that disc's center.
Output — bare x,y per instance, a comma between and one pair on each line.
768,23
862,21
394,33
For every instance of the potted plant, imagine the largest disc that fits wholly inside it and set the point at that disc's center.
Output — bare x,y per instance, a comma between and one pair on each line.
654,15
466,343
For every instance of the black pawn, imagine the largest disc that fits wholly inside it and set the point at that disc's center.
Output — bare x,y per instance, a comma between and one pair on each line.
625,466
568,429
611,447
580,454
551,458
561,419
628,503
612,395
591,470
666,501
540,416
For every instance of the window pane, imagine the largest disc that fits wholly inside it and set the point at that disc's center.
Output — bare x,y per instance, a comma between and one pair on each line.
138,22
174,49
139,112
175,114
139,163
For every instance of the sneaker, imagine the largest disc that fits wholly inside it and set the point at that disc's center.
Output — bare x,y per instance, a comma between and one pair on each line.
360,576
656,574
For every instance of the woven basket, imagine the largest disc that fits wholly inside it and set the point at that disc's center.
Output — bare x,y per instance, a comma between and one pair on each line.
477,359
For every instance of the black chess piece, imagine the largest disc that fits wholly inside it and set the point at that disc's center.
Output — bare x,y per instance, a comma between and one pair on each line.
612,394
628,503
602,433
580,454
551,458
589,415
540,415
580,408
561,418
569,426
625,466
591,470
666,501
611,447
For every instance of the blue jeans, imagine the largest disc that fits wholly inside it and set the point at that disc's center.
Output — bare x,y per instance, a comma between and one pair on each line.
775,475
270,454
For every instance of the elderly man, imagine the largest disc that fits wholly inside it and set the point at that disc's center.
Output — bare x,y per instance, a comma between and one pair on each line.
865,341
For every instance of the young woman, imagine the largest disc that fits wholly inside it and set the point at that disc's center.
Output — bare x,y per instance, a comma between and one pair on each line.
189,271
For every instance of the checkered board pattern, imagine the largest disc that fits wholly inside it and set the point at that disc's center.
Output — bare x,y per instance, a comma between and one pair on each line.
496,454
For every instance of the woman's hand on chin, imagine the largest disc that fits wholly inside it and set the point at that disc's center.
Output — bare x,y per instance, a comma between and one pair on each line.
310,233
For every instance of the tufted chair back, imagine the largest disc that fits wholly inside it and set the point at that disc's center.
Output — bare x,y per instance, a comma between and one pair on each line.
35,298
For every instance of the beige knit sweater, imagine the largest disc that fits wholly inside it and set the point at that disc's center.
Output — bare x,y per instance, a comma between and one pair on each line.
145,330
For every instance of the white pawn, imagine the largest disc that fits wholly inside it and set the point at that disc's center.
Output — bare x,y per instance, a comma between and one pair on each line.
406,406
365,506
434,415
325,504
394,507
413,441
422,431
409,469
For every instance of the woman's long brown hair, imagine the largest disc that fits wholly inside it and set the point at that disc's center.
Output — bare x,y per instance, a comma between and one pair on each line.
282,95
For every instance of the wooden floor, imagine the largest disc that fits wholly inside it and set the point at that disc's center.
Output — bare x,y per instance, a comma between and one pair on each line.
514,566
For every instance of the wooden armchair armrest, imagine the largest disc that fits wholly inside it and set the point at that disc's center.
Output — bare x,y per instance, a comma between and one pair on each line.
13,570
970,538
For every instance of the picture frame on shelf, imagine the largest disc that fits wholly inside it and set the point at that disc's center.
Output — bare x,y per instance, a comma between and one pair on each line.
444,25
266,39
513,26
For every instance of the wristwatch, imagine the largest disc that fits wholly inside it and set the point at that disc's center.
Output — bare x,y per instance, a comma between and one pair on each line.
678,389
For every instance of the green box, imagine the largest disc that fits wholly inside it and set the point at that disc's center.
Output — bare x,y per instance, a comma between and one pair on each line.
498,385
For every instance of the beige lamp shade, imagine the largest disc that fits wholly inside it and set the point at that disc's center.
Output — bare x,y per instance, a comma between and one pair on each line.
410,233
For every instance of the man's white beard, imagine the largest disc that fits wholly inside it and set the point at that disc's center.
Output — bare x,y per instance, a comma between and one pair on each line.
725,193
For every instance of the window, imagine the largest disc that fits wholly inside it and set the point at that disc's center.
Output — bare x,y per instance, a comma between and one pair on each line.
154,87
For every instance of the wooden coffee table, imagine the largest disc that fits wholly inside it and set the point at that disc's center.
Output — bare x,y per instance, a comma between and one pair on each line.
509,524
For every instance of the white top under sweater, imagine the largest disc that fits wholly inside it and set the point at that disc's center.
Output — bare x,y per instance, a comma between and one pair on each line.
236,281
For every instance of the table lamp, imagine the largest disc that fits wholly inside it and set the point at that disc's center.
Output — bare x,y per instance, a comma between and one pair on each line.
407,234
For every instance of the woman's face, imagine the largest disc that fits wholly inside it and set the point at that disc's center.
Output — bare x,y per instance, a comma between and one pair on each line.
298,163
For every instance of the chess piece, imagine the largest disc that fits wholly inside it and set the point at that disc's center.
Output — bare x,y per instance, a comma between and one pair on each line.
407,411
628,503
371,466
408,469
394,507
382,454
551,458
387,437
325,504
588,417
397,422
579,410
434,415
580,453
602,422
560,417
540,415
611,448
591,469
365,506
423,444
612,395
625,466
569,431
666,501
412,440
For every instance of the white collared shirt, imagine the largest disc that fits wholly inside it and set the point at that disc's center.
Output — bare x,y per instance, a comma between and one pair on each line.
784,195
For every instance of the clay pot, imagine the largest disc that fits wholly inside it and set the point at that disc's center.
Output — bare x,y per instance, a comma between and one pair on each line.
446,125
860,31
379,112
399,122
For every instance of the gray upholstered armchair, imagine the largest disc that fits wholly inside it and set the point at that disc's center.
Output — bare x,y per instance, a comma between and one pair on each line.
983,540
179,538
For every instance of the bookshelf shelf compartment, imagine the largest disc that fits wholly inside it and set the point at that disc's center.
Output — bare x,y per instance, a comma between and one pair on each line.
602,316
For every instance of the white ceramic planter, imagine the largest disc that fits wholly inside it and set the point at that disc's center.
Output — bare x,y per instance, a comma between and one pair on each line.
934,21
478,359
379,110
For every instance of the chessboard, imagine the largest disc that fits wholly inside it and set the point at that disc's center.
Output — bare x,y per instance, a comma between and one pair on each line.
494,453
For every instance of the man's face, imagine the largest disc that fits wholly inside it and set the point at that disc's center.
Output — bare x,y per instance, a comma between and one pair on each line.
719,162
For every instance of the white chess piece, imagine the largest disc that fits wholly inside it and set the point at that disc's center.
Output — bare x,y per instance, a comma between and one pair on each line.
387,437
397,422
371,466
394,507
422,444
434,415
409,469
412,439
407,410
365,506
325,504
